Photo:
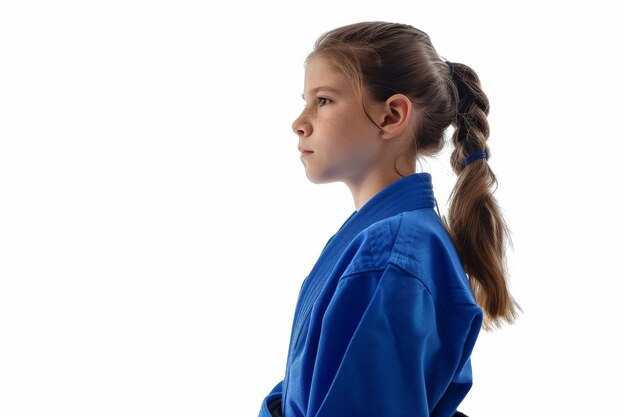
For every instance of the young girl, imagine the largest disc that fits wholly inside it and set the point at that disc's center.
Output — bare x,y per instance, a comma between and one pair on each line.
388,316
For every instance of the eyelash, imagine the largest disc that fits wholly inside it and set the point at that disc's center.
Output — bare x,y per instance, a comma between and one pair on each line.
326,101
322,101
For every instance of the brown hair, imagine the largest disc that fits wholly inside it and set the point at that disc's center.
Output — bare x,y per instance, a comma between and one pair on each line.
387,58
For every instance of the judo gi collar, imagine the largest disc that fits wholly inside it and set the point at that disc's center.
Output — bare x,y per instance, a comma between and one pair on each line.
409,193
412,192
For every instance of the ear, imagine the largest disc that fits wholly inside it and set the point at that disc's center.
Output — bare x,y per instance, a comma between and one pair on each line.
396,116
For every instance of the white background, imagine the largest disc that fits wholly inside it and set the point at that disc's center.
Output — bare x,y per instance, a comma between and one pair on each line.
156,222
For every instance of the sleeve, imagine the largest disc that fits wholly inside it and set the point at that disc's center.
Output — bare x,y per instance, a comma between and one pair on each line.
271,406
386,350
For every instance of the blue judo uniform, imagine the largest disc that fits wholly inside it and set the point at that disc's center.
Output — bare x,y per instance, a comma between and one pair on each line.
386,320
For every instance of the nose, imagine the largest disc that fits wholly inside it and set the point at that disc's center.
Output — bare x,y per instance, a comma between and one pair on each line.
300,126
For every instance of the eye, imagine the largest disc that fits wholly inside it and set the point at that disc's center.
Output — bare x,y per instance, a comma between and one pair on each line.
323,101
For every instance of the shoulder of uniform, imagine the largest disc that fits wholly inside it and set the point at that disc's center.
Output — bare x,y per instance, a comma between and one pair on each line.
401,239
371,248
415,245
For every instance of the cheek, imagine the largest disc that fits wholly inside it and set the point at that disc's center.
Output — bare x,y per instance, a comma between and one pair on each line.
342,123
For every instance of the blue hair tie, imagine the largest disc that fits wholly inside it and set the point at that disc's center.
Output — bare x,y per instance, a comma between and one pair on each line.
451,66
474,156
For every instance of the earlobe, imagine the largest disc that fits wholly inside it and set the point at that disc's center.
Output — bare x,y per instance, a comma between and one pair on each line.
398,110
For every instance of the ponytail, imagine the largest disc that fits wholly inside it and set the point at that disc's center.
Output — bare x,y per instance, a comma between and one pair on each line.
475,221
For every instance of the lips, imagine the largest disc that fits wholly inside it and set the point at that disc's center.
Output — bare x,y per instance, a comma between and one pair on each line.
304,152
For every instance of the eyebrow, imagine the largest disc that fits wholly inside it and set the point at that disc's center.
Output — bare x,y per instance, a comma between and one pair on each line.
322,87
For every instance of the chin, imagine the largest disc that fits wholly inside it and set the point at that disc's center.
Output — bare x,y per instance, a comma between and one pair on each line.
321,179
314,180
319,173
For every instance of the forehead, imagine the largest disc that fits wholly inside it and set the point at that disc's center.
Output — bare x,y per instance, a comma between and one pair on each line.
320,72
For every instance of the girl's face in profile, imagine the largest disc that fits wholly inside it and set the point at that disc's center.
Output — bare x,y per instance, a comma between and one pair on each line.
343,141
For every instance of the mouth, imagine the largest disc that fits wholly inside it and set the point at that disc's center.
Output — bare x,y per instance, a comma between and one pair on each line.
304,151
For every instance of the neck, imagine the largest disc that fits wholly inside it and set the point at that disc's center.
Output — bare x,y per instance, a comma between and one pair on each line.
367,187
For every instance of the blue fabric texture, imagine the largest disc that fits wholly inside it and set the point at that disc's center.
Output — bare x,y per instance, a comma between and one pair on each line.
386,320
